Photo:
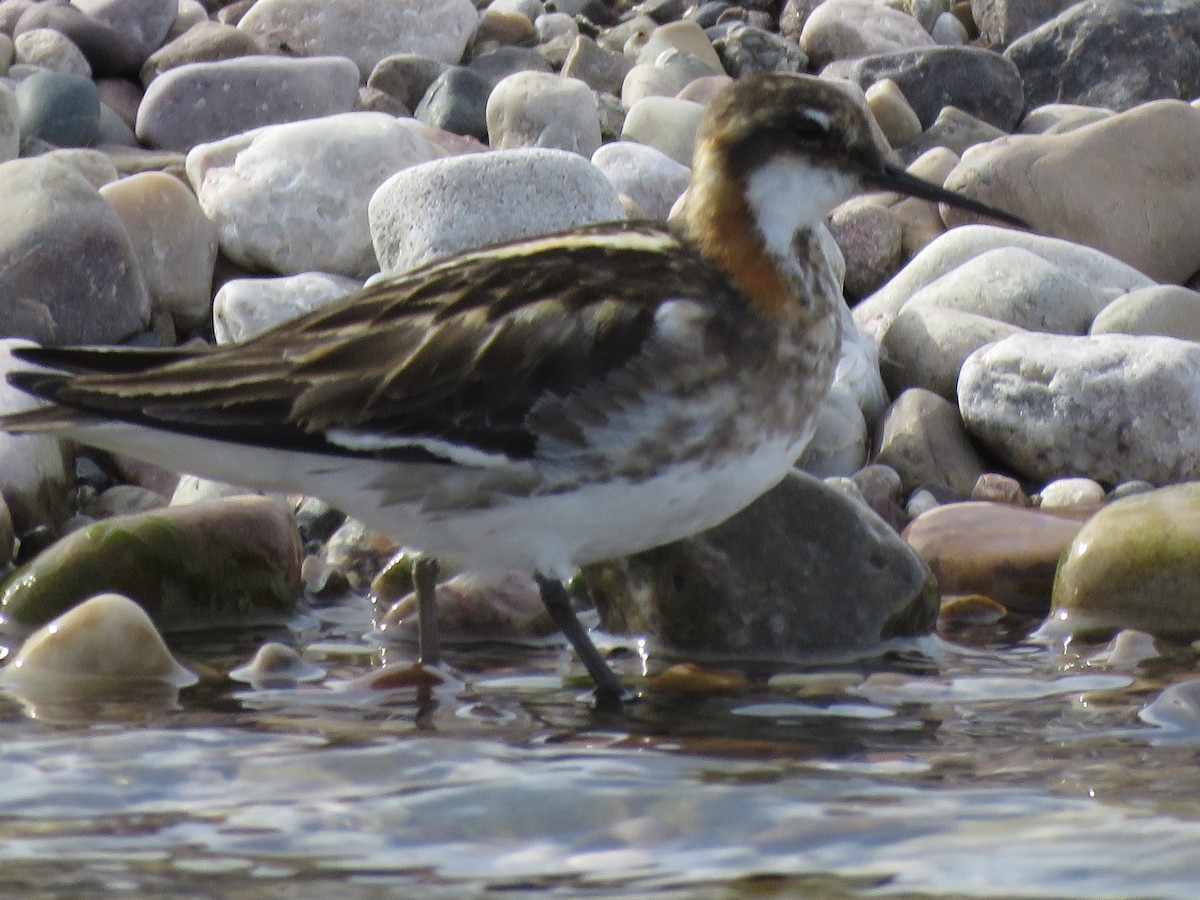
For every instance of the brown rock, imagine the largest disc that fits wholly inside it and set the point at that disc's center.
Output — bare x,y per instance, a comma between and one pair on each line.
1008,553
1077,185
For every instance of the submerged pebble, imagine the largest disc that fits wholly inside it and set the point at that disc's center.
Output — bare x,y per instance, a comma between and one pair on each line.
105,647
277,665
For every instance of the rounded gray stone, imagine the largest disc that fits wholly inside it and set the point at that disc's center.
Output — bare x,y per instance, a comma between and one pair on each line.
207,101
538,109
648,177
245,307
59,108
803,569
1111,407
293,198
1164,309
51,50
365,31
63,246
460,203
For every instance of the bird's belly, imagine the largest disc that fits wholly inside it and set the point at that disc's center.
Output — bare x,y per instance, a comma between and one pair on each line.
555,533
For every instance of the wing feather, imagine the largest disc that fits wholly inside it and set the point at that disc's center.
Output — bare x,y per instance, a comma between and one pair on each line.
456,353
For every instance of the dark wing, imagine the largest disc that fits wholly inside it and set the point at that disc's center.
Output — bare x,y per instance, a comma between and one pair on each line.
458,351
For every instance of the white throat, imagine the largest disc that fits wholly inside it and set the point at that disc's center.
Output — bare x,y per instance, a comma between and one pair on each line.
789,193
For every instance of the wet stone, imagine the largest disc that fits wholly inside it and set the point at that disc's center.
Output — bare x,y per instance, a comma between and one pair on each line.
475,606
1008,553
802,569
277,665
1136,564
232,562
106,647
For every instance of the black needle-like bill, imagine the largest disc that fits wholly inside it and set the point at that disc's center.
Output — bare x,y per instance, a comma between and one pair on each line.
894,178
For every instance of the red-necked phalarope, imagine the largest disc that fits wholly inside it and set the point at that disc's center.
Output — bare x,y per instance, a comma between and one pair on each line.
545,403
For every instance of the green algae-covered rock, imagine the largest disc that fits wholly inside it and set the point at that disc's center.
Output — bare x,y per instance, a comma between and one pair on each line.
206,565
1135,564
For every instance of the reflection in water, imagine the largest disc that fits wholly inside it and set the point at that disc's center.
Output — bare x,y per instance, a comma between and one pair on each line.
970,772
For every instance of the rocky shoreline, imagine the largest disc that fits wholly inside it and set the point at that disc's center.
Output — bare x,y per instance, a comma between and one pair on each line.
175,170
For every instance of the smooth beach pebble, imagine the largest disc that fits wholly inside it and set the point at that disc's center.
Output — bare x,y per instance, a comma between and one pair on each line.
64,247
51,50
59,108
665,123
108,51
925,347
849,29
277,665
406,76
457,101
647,176
1136,564
443,207
1167,310
293,198
245,307
175,243
365,31
893,112
105,646
1111,407
1069,493
205,42
1106,277
1063,186
599,69
923,439
144,24
207,101
537,109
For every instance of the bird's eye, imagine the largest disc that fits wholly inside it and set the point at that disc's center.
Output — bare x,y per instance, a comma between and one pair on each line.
810,127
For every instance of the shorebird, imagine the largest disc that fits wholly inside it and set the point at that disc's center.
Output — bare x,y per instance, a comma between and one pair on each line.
545,403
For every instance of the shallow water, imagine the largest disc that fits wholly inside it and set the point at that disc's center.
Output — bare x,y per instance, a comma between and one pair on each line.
997,769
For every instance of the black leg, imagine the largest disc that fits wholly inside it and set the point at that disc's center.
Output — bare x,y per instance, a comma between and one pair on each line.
609,692
425,574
